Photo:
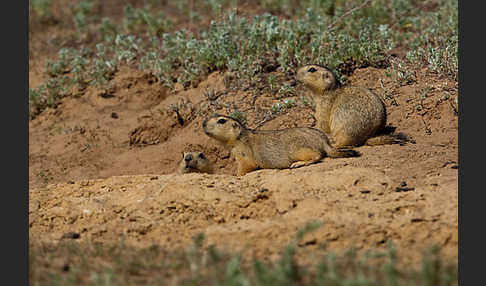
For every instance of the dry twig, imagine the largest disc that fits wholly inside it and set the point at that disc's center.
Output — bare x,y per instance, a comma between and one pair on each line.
348,13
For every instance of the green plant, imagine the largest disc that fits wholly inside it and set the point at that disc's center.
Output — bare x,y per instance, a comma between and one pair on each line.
103,67
158,66
276,107
64,57
240,116
36,98
286,90
79,64
280,106
437,43
138,20
41,8
216,5
305,101
108,30
105,278
404,73
272,81
126,48
83,16
47,94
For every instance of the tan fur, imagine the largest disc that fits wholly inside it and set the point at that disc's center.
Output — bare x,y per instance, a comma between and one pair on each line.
194,162
352,116
271,149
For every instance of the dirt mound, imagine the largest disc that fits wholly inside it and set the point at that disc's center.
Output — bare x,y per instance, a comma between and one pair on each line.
88,160
256,214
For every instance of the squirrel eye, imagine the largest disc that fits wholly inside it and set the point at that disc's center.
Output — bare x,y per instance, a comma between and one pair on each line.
221,121
312,70
201,155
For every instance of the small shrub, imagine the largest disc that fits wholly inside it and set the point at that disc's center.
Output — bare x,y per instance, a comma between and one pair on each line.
83,16
60,66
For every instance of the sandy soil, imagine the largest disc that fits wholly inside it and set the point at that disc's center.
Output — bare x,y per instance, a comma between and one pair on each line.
103,167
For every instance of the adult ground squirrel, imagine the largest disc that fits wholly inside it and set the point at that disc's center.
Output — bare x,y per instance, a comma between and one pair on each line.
194,162
350,115
271,149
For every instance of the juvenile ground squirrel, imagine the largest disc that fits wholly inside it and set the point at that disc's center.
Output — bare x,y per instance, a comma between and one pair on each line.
350,115
271,149
194,162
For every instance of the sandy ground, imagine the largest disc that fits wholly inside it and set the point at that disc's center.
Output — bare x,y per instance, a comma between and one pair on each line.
102,167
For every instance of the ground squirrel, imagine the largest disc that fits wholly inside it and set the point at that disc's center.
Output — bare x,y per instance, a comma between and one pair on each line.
350,115
271,149
194,162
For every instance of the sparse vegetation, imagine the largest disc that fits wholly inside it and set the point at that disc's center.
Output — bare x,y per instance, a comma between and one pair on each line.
199,265
250,46
436,46
140,20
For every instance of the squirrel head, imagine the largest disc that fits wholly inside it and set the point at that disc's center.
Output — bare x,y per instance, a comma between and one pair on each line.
317,78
